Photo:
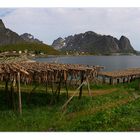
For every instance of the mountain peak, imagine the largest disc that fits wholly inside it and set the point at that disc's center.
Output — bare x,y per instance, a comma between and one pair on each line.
125,44
92,42
91,33
30,38
123,37
59,43
28,35
7,36
2,26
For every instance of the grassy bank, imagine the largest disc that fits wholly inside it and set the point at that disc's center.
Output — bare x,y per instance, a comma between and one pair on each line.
111,108
31,47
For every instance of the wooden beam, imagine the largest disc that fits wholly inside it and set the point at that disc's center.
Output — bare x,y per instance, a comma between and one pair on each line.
59,85
12,94
19,94
7,92
81,88
66,87
128,79
123,79
111,81
104,79
118,81
88,86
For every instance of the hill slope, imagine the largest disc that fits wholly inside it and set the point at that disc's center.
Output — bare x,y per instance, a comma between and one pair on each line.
11,41
31,47
7,36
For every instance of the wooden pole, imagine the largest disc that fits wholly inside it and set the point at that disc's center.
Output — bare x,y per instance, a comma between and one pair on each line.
47,86
52,83
88,86
66,87
131,78
52,87
59,86
19,93
65,82
124,80
111,81
30,94
81,88
104,80
128,79
66,103
7,93
13,97
134,77
118,81
12,94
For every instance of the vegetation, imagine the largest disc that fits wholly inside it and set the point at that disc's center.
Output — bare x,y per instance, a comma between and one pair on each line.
31,47
111,108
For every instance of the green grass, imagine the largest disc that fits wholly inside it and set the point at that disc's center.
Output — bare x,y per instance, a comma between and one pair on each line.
97,113
30,47
123,118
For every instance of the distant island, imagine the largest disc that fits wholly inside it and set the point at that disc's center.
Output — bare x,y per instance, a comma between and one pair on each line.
93,43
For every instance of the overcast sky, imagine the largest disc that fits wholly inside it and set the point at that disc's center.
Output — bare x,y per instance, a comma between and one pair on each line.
47,24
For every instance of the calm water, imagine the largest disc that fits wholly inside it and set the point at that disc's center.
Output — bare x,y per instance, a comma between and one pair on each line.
110,62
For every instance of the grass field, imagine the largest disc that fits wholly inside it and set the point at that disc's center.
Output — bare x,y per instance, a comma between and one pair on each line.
31,47
111,108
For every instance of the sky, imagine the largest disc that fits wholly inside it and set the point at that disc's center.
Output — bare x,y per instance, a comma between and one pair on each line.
47,24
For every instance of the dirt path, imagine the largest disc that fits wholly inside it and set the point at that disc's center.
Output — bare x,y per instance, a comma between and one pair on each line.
102,92
96,92
100,108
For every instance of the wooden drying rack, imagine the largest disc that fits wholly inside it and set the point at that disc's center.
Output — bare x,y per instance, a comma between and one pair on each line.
44,73
115,77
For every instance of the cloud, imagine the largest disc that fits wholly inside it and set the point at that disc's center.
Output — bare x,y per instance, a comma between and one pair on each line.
48,24
5,11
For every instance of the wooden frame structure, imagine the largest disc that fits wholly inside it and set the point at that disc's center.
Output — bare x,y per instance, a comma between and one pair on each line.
115,77
44,73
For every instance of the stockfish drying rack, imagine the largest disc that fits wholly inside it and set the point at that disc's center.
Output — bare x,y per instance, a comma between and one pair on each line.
15,73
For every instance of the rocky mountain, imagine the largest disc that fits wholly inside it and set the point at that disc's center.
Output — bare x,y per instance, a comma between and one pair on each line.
91,42
7,36
59,43
30,38
2,26
10,40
